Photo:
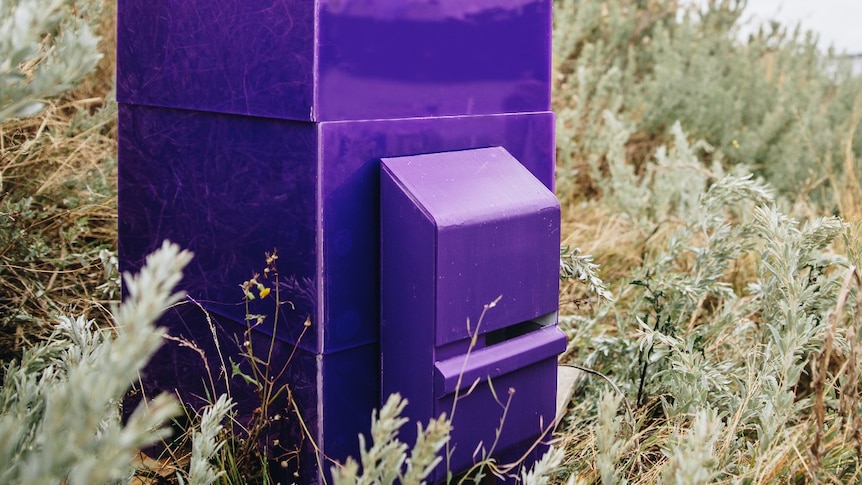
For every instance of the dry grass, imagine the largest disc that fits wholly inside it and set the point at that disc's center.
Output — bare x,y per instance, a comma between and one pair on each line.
63,162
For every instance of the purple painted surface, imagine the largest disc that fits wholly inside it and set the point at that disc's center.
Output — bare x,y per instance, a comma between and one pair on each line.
490,362
228,188
232,187
336,59
521,405
459,229
492,223
350,198
245,57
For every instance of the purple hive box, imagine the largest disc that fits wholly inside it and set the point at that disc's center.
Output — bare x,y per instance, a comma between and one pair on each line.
231,187
460,230
251,125
331,60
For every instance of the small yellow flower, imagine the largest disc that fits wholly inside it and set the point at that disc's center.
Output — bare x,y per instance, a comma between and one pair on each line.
263,292
735,144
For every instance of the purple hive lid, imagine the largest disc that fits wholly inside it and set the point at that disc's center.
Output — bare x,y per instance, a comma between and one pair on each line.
457,188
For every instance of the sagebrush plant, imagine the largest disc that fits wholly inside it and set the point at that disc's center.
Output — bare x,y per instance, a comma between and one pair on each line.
691,456
47,47
59,414
386,459
59,404
735,322
609,446
773,102
714,336
207,441
577,266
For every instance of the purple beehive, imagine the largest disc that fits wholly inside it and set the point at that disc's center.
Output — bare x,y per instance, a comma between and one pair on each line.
459,231
251,125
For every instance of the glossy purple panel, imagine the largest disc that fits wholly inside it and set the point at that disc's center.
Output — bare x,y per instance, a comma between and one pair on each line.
459,372
229,188
350,195
251,57
350,382
336,59
515,259
396,58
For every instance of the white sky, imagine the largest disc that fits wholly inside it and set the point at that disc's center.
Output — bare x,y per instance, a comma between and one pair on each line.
838,22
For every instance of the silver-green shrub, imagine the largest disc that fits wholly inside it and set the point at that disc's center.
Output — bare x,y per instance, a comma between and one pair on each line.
207,440
692,455
716,329
59,405
773,102
545,470
46,47
385,460
609,445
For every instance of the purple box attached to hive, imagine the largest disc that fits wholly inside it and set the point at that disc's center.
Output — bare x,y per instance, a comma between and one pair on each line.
459,231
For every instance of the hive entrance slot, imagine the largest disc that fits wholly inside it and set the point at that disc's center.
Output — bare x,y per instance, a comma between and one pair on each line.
501,335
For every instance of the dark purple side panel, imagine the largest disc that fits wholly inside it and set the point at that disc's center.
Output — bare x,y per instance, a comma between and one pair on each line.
228,188
252,57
